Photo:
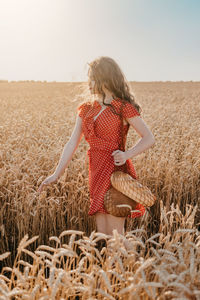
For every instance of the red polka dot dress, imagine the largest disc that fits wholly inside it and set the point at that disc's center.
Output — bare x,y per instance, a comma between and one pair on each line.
103,135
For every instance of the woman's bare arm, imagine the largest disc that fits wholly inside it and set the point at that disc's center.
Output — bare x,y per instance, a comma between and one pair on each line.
145,142
68,151
69,148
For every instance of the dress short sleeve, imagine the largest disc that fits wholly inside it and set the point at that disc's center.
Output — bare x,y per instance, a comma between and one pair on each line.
82,109
129,111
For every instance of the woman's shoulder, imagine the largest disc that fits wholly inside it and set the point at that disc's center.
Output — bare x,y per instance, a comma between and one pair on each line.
84,103
83,107
128,109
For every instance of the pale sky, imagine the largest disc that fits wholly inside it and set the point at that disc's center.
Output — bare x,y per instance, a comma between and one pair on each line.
52,40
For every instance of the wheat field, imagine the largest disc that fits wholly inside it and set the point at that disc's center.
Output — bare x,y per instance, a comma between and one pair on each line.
49,246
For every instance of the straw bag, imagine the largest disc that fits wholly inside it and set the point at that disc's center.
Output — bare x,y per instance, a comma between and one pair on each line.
118,204
126,192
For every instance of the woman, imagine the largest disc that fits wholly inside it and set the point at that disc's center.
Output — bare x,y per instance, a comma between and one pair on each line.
99,122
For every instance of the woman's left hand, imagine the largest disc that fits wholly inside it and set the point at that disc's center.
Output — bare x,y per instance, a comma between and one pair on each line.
119,157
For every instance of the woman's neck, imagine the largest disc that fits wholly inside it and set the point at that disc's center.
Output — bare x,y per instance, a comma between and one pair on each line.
108,98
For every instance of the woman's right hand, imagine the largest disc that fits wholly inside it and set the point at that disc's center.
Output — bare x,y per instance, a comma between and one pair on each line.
50,179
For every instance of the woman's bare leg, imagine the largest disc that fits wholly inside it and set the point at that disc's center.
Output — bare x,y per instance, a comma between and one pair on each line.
113,222
101,222
117,223
106,223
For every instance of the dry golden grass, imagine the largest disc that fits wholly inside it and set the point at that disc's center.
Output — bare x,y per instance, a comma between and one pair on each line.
163,261
164,266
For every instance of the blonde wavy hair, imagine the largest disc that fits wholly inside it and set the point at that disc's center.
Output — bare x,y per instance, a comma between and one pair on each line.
107,72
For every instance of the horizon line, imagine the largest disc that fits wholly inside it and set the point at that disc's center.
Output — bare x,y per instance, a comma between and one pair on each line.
54,81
